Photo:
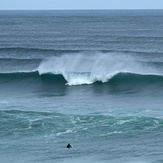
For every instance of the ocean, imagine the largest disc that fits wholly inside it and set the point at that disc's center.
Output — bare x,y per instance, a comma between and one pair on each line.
91,78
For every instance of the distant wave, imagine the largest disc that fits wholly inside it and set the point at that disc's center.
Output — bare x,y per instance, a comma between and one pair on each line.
69,51
35,50
16,59
25,49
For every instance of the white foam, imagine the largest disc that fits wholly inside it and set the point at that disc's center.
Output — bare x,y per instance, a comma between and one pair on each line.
18,71
65,132
84,68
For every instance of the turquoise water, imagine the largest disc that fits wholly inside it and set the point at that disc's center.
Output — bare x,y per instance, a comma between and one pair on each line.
89,78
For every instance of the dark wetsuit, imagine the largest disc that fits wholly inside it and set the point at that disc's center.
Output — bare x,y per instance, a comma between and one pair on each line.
68,145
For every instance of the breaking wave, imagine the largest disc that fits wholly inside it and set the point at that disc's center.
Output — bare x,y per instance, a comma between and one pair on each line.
89,68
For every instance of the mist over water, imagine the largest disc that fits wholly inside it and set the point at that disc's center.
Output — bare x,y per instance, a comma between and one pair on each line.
93,79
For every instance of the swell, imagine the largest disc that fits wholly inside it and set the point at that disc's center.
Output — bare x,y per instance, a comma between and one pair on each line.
12,59
16,122
59,52
32,49
34,75
132,78
37,51
19,75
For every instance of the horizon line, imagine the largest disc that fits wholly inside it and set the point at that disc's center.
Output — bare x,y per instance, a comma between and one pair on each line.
71,9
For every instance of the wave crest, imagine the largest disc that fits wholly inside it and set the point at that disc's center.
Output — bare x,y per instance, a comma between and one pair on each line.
87,68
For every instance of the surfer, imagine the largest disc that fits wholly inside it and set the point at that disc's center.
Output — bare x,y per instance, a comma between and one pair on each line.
69,145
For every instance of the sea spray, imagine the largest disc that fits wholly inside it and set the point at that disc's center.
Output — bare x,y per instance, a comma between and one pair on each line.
87,68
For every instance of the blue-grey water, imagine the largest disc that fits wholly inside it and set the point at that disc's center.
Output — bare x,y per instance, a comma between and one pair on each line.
90,78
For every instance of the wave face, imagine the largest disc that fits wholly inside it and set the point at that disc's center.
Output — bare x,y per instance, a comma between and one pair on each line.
120,78
88,68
